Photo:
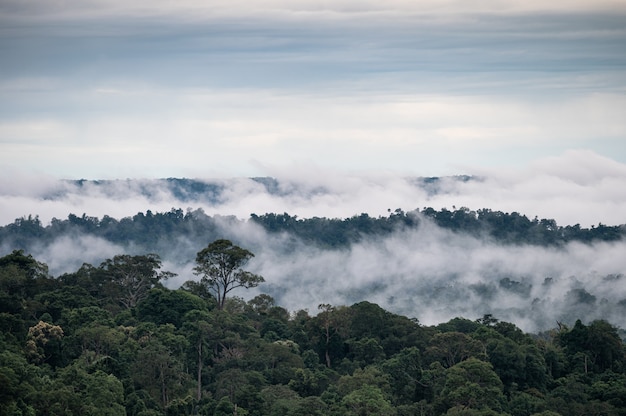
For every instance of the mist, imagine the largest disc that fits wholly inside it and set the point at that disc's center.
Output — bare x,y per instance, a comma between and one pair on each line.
577,187
427,273
434,275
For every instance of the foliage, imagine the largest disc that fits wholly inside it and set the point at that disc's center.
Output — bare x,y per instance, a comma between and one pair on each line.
67,347
154,232
220,267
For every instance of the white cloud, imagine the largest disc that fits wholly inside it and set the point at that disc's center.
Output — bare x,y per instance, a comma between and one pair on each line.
576,187
222,132
436,275
68,253
428,273
299,9
114,95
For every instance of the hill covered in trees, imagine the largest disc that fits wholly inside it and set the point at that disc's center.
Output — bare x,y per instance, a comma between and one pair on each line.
112,340
148,229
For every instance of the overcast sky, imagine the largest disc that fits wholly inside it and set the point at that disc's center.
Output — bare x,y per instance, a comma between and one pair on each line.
148,89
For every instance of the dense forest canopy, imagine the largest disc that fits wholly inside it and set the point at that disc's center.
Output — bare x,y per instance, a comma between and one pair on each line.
75,345
148,228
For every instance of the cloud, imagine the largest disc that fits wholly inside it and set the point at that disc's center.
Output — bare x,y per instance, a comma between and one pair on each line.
436,275
578,187
117,93
198,9
345,104
428,273
67,253
221,133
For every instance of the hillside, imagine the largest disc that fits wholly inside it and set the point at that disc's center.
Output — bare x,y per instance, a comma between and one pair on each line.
71,345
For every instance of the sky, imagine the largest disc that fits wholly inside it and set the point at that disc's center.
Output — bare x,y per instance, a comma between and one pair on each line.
216,89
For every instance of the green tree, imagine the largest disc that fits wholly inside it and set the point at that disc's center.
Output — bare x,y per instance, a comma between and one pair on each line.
134,276
367,400
405,371
19,381
279,400
197,329
366,351
277,361
596,347
525,404
370,376
307,382
159,370
220,267
21,278
333,323
310,406
242,388
450,348
163,306
472,384
26,263
90,394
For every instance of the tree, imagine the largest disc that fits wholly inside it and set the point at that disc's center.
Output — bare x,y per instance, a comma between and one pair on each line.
197,327
220,267
334,323
21,277
134,276
158,370
25,263
368,400
39,336
163,306
451,348
596,347
405,373
472,384
103,394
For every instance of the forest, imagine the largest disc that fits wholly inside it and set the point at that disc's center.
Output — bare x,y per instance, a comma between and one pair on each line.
150,229
112,339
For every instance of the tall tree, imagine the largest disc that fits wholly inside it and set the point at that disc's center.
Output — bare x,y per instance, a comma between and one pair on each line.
134,276
220,267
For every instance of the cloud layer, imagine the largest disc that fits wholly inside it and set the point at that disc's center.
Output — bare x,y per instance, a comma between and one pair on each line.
107,90
435,275
578,187
427,273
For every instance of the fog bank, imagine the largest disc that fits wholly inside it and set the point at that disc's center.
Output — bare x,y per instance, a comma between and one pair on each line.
578,187
428,273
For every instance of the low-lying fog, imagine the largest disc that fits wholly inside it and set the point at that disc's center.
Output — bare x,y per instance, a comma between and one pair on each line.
428,273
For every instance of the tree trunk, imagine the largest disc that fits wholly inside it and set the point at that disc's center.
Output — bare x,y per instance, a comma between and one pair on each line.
199,392
327,345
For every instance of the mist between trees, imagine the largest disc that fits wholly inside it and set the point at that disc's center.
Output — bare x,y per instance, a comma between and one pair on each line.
429,264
